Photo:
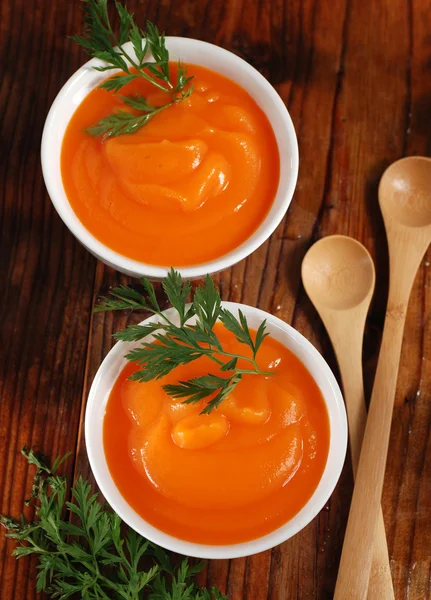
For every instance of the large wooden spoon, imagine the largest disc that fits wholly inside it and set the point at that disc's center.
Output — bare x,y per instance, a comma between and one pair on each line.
405,201
338,276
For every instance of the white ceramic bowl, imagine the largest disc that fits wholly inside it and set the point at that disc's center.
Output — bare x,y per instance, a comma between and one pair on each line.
193,52
310,357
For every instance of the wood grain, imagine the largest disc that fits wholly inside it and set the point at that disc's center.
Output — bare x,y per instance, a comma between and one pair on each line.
355,77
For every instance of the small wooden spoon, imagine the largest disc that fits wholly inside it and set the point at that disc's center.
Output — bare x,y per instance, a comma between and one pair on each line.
405,201
338,276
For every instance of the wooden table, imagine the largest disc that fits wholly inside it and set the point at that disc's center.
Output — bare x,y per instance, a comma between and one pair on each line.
355,76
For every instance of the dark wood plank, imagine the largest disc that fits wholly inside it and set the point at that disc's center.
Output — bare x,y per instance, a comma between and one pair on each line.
47,276
407,492
355,76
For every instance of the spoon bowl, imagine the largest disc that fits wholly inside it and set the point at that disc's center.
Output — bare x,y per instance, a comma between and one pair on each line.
338,273
405,191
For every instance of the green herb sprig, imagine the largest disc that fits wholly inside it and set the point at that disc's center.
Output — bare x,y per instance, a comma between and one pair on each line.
101,41
174,344
94,556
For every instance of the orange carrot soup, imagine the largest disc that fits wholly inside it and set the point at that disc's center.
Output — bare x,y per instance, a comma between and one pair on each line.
191,185
228,477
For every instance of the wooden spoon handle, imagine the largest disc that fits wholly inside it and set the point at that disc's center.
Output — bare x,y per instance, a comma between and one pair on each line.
356,557
380,585
349,357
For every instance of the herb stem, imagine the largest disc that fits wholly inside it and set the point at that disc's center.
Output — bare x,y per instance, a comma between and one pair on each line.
145,75
231,355
257,371
214,358
139,69
129,58
37,548
253,372
254,363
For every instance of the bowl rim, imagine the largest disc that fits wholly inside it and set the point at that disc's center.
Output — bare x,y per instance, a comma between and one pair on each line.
332,471
136,268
